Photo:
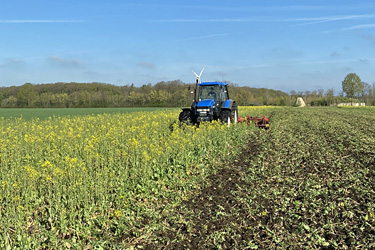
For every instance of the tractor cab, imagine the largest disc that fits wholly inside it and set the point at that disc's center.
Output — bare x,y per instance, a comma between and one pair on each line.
211,96
213,90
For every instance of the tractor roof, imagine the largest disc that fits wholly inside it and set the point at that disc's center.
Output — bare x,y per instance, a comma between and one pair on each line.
212,83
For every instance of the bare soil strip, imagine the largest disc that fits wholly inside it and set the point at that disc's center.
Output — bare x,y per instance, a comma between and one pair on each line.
214,217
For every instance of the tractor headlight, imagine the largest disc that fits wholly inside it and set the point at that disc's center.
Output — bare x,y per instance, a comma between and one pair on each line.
203,110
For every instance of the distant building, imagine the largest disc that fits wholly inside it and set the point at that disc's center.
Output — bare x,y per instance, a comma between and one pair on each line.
354,104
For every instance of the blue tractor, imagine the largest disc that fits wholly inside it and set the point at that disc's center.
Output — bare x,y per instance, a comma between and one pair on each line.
211,102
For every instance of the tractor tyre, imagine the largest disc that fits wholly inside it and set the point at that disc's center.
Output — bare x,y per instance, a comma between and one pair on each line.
185,117
225,116
234,113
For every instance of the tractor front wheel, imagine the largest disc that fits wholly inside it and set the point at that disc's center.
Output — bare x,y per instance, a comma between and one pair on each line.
185,117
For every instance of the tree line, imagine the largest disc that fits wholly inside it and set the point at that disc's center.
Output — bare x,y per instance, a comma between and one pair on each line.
162,94
170,94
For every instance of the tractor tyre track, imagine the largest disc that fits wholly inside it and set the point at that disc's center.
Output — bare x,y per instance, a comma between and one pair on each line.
215,216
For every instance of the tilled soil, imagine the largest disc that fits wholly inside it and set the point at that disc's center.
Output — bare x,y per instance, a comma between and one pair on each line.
214,217
304,185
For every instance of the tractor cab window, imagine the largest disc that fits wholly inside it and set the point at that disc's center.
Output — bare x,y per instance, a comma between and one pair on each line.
225,93
209,92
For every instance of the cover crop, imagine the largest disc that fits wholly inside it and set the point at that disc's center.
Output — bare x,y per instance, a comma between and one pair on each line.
99,180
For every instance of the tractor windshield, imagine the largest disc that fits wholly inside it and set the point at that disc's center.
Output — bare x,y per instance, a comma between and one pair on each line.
209,92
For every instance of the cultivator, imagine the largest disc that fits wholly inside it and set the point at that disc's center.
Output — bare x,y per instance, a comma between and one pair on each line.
260,122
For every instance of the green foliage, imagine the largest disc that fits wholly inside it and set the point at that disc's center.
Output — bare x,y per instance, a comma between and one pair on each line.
26,95
245,96
85,95
352,85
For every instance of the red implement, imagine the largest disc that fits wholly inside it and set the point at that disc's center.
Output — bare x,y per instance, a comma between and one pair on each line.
260,122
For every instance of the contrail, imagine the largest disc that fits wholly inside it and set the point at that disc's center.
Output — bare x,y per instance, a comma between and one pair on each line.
315,20
200,37
210,20
363,26
41,21
308,20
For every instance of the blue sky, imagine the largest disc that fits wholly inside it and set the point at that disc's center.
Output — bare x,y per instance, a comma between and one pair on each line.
285,45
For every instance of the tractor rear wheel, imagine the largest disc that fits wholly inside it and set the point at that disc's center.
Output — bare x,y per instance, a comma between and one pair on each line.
234,113
185,117
225,116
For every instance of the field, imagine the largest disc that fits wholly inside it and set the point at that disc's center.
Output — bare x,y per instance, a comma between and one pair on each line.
45,113
139,180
